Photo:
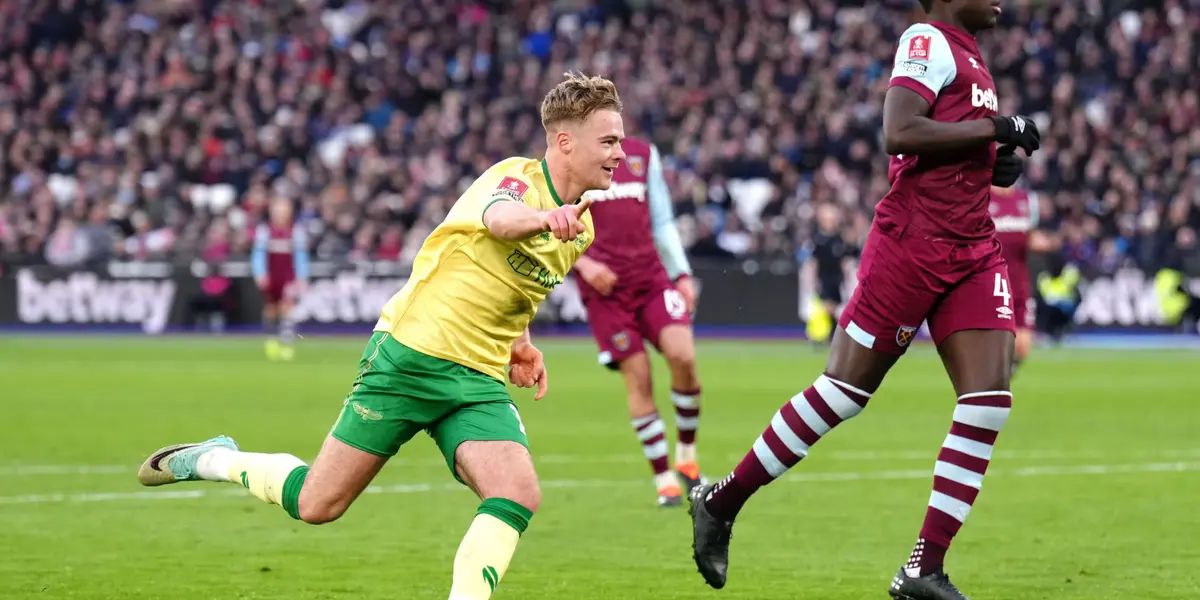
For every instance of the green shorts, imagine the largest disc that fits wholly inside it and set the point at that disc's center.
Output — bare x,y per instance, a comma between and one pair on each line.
400,391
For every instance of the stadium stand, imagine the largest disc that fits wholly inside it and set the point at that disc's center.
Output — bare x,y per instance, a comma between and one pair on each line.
159,129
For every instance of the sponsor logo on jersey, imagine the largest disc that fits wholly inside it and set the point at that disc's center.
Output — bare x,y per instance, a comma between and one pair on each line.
918,47
905,335
512,187
636,165
1013,223
527,266
913,68
635,190
981,98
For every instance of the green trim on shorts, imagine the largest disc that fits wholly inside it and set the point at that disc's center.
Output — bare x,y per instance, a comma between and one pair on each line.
400,391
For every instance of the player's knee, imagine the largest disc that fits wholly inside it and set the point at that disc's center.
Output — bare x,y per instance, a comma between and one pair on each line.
682,360
528,495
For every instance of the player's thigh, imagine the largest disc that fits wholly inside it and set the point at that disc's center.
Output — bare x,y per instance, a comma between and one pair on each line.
336,478
981,300
615,329
472,430
852,363
894,296
978,360
499,469
974,330
664,320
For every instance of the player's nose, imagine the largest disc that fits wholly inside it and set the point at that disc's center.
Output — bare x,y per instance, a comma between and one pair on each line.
618,153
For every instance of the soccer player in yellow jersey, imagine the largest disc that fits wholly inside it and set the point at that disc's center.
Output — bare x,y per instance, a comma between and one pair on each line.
444,344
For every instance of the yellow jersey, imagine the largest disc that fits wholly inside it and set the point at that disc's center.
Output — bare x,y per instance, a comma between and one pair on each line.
472,294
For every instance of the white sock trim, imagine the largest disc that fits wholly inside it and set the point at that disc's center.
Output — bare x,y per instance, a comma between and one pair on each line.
985,394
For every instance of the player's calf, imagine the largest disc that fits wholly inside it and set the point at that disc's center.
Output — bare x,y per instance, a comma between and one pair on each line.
798,425
679,350
648,426
958,476
501,473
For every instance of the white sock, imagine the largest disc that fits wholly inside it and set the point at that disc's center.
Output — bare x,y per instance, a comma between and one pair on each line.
214,464
664,479
685,453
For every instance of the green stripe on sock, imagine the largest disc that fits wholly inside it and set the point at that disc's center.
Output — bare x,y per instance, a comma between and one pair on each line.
291,491
515,515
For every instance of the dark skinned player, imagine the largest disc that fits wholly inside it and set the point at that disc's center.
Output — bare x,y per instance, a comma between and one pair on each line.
931,256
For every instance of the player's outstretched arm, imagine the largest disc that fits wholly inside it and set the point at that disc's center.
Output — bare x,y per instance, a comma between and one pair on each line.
515,221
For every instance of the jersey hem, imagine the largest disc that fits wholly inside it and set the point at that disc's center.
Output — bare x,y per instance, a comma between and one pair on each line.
443,356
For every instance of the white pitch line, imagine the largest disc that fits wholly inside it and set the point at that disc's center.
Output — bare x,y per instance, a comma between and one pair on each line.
418,488
633,458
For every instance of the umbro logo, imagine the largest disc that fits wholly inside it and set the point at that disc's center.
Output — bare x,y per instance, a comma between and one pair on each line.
1004,312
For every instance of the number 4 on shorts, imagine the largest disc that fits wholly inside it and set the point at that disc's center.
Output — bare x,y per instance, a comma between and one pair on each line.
1001,290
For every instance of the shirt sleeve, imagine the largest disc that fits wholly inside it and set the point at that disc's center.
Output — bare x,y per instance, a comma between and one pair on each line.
509,186
924,62
1035,213
662,220
258,255
300,251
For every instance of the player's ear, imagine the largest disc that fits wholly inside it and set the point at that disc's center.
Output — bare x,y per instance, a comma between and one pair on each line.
564,140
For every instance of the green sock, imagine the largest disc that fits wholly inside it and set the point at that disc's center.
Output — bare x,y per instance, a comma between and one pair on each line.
291,491
511,513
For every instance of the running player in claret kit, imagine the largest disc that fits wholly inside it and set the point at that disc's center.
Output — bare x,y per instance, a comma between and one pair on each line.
279,262
437,360
636,284
1015,214
931,255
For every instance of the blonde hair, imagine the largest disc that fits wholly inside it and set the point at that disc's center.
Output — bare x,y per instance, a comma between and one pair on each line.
577,97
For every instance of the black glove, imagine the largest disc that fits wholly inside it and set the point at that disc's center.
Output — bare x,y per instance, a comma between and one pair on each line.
1018,131
1008,167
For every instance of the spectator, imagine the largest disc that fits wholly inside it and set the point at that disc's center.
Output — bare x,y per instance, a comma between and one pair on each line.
155,122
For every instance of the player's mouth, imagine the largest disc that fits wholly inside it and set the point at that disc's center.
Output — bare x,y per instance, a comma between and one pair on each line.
609,170
996,8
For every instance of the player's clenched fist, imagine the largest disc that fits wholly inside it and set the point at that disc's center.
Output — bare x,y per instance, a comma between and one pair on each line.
1018,131
563,222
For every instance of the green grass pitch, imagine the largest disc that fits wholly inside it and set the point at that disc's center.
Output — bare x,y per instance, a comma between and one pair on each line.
1092,495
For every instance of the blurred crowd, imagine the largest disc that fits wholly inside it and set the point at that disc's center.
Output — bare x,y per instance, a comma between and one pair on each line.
160,129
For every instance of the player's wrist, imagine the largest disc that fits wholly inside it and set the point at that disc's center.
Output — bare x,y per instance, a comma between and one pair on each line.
1000,129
